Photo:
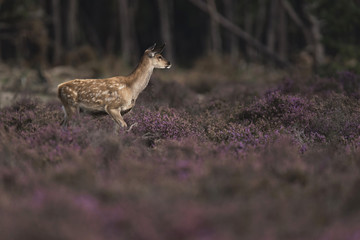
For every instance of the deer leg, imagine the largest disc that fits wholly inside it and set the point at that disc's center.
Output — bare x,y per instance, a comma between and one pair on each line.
68,114
116,116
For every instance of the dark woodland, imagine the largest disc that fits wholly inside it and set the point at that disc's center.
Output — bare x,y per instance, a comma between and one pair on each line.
253,133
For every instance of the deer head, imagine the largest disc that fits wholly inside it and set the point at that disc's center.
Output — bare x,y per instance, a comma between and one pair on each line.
156,59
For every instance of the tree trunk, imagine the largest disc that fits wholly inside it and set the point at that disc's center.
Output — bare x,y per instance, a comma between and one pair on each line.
315,29
72,24
260,19
272,20
311,33
214,29
165,22
57,30
297,20
230,6
127,29
282,32
248,24
254,43
111,38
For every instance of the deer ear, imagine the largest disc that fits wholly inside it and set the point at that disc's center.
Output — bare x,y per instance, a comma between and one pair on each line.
160,48
151,54
151,48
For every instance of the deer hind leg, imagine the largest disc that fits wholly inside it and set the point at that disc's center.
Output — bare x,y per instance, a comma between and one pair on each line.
67,98
69,112
116,116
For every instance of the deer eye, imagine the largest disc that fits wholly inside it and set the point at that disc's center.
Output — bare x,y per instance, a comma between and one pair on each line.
159,57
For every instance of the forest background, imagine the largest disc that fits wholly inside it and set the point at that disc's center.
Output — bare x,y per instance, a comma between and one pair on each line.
43,33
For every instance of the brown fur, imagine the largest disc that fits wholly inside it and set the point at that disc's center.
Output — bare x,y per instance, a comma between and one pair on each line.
115,95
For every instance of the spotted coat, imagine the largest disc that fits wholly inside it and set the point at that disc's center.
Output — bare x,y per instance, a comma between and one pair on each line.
116,95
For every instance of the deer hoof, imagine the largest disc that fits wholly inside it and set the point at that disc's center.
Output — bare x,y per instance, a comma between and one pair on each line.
132,125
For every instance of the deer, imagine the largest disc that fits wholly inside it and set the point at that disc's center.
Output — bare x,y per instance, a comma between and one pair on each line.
115,96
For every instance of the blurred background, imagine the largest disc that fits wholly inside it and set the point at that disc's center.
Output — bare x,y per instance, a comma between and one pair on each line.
44,42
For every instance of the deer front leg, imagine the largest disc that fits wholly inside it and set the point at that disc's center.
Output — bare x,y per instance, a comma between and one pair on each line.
116,116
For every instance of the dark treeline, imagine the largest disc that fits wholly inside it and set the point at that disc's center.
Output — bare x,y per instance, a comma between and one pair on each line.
50,32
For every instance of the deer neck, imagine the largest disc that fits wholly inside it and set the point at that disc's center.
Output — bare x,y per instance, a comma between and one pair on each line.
140,77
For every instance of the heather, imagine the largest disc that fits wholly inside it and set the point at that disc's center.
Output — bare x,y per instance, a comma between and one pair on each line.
224,162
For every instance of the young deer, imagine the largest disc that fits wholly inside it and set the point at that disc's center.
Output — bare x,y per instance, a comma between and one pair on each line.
116,95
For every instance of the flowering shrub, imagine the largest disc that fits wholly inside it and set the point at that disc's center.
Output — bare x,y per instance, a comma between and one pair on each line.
284,165
27,115
166,123
345,82
277,109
